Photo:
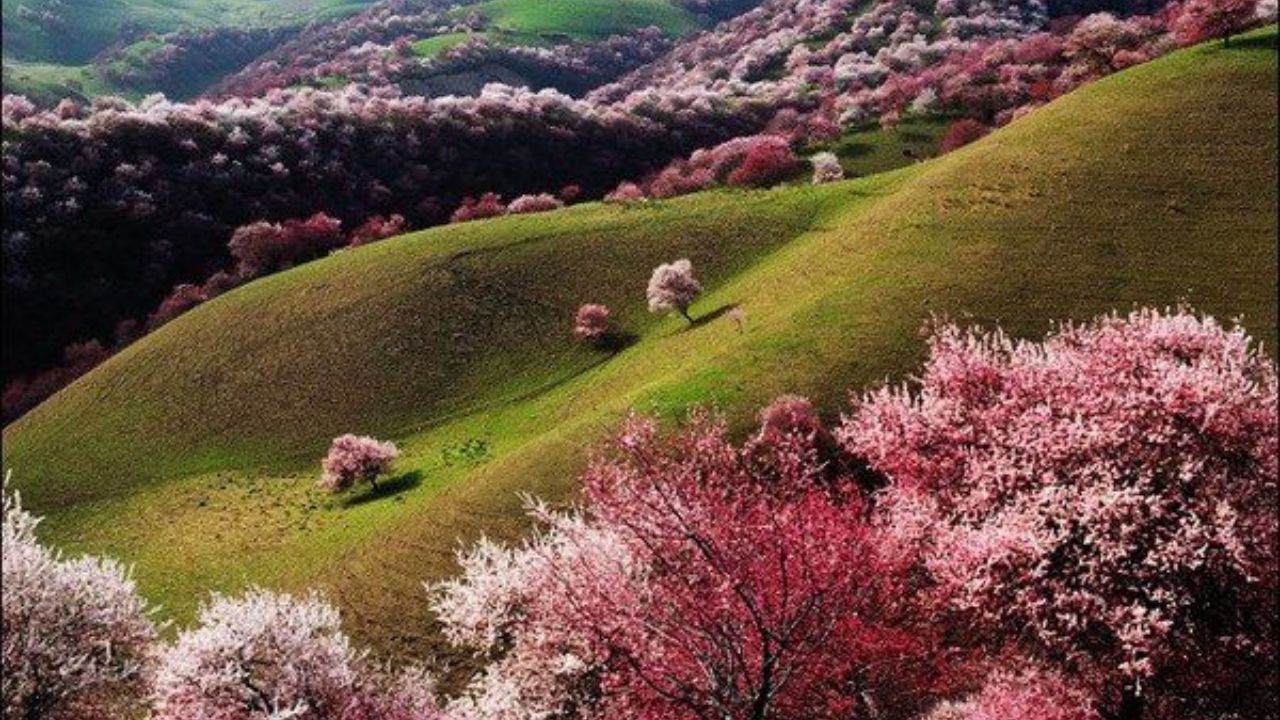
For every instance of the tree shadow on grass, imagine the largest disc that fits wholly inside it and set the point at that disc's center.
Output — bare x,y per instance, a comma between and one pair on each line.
387,488
616,341
1266,41
713,315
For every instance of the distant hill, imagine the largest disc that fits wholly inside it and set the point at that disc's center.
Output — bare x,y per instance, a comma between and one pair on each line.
194,452
56,48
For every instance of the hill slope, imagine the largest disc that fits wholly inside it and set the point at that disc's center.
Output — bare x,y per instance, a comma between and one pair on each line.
194,452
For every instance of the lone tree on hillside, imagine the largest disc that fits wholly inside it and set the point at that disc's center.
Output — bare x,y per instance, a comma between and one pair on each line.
826,168
592,323
354,457
673,287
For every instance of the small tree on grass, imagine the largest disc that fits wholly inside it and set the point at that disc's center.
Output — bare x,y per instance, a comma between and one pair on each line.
76,635
826,168
673,287
592,323
352,458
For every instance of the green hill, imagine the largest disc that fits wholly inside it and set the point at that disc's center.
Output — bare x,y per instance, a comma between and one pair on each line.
73,32
194,453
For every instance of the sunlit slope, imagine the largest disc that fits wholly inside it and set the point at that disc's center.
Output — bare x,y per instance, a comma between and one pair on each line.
193,454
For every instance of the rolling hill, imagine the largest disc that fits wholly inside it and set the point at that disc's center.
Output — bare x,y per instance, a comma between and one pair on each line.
194,452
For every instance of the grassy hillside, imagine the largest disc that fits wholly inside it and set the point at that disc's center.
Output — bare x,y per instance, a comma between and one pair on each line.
57,48
194,453
71,32
524,22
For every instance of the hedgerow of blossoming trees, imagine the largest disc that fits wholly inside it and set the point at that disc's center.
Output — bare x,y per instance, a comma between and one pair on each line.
1082,528
833,64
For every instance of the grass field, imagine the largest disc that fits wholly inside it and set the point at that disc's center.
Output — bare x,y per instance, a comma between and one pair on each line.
522,20
194,453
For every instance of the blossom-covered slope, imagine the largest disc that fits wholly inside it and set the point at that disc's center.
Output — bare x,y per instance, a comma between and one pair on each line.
195,452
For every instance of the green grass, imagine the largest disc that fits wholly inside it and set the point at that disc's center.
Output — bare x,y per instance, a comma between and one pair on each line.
533,21
193,454
432,46
48,83
870,150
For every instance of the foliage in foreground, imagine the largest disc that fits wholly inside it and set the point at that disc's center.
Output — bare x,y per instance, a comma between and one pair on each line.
1096,511
1082,528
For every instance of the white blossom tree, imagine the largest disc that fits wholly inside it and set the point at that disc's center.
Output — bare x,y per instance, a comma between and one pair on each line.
76,635
673,287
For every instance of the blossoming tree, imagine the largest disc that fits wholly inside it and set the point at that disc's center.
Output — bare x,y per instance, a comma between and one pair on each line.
1104,501
673,287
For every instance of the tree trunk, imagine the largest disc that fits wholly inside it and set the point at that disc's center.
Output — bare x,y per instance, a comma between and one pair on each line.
685,312
1131,705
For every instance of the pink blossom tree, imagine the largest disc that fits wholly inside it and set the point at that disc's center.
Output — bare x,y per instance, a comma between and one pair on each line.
626,192
1104,501
355,457
1027,695
76,635
960,133
700,580
673,287
592,323
486,206
1202,20
541,202
377,228
766,162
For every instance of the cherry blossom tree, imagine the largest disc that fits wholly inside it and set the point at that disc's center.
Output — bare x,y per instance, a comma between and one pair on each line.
1028,695
355,457
377,228
826,168
766,163
542,202
1104,501
258,657
673,287
699,580
486,206
1202,20
960,133
76,635
626,192
592,323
